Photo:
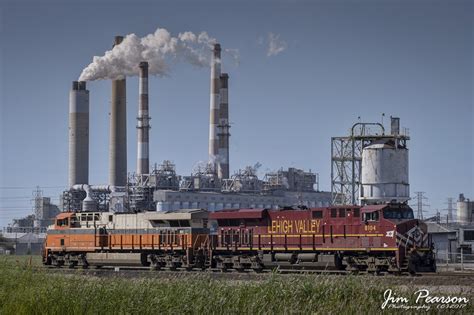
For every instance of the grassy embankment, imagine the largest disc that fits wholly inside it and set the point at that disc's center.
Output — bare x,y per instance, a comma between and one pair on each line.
25,289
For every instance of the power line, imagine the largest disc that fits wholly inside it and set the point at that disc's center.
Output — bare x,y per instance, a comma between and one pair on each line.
31,187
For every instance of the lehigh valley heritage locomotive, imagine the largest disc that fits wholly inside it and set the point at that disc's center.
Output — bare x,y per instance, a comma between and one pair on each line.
374,238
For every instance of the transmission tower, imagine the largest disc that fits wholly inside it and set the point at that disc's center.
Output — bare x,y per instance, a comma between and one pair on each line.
38,198
450,209
420,196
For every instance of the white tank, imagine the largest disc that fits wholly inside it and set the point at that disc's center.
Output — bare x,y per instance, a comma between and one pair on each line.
464,212
384,174
159,206
162,206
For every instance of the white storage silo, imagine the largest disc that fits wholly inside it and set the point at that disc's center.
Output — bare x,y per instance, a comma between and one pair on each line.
464,211
384,174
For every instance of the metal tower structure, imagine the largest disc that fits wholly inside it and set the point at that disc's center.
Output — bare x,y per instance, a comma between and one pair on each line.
346,159
450,209
38,198
420,196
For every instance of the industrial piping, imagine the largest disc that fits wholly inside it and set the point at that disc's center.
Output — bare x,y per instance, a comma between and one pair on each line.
78,134
223,160
89,204
214,105
143,126
118,131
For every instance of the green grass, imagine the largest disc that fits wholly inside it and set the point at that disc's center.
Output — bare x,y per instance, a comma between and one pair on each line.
26,290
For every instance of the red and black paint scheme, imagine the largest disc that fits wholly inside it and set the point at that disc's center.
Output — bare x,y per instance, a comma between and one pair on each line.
373,238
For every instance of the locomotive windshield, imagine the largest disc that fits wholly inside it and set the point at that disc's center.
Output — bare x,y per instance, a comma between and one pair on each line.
398,213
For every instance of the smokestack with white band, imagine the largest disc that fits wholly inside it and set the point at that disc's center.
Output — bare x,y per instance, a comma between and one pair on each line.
78,134
143,126
223,160
214,104
118,131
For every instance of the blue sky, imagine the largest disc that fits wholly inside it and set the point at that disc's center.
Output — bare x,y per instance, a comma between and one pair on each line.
341,60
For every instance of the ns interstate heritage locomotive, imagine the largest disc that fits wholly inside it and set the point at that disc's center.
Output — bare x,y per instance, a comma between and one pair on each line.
373,238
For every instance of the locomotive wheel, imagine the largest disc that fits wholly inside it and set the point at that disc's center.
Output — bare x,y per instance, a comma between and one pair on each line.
72,264
155,267
59,263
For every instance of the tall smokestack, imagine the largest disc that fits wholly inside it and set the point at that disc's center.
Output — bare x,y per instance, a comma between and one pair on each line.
215,103
223,161
143,126
78,134
118,131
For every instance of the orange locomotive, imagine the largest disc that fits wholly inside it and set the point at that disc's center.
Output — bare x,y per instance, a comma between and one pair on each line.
147,238
376,238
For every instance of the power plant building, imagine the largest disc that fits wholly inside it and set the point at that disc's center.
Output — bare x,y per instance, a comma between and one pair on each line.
212,187
173,200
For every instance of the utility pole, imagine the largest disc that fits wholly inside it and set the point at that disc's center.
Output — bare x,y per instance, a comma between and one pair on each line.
420,196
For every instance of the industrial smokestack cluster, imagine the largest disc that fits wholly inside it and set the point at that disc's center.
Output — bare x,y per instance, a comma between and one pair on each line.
78,134
219,117
118,131
79,126
143,126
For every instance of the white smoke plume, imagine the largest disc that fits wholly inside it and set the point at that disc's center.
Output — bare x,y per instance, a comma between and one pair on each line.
159,49
275,45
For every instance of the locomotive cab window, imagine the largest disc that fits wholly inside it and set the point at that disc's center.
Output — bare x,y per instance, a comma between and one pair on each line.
317,214
398,214
342,213
371,216
62,222
333,213
357,212
75,222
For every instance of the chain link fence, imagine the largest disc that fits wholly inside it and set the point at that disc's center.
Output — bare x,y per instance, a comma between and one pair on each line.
455,261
